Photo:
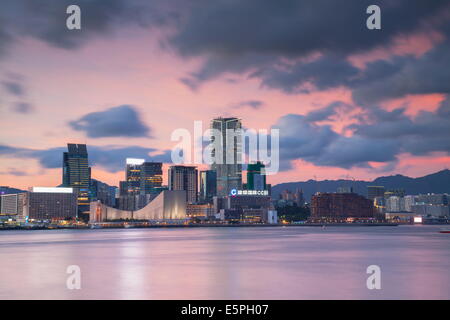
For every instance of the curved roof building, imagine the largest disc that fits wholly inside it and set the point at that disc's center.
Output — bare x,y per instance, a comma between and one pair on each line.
168,205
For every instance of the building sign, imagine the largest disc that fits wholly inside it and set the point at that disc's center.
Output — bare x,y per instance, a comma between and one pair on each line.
235,192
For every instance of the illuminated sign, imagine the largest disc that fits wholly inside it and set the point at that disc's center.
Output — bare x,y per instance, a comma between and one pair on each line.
135,161
51,190
417,219
235,192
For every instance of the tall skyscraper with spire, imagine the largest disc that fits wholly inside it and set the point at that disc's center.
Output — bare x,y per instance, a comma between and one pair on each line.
229,175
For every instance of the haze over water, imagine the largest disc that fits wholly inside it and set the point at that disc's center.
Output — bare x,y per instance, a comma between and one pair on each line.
227,263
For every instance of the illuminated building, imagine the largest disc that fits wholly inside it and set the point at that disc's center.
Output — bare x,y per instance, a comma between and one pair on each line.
143,183
229,175
50,203
76,173
167,206
184,178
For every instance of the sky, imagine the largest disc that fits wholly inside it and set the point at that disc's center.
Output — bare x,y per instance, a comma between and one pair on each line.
349,102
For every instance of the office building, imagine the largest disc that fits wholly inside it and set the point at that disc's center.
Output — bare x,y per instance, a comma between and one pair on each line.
151,177
337,206
208,185
100,191
143,182
133,176
51,203
228,157
12,204
76,173
256,176
184,178
375,191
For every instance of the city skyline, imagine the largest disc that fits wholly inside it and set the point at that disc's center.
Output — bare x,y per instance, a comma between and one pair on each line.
61,86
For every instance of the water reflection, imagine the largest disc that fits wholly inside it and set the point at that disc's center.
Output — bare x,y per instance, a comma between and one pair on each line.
227,263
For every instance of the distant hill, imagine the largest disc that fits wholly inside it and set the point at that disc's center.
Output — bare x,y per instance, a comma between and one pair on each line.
438,182
8,190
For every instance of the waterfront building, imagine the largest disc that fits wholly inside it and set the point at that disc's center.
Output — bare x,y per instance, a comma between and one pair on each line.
201,211
77,174
12,204
249,207
48,203
169,205
229,175
340,206
184,178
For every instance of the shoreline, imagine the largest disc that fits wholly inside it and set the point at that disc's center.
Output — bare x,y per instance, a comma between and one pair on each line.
212,225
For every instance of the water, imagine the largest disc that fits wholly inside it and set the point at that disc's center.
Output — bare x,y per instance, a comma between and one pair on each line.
227,263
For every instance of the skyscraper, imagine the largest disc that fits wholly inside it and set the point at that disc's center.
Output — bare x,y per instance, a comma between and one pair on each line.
229,173
151,177
256,177
133,175
143,182
184,178
76,173
208,185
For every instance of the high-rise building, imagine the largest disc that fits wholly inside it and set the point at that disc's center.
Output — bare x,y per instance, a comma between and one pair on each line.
76,173
375,191
100,191
143,183
184,178
133,175
151,177
256,176
227,160
208,185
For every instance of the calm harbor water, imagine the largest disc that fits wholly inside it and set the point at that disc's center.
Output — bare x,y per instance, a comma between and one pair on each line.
227,263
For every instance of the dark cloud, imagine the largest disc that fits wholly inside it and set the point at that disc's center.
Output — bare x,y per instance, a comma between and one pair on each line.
46,19
121,121
381,137
111,158
13,87
294,28
14,172
254,104
238,36
22,107
327,112
401,76
324,73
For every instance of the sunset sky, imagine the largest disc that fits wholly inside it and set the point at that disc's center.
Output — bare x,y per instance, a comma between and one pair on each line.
349,102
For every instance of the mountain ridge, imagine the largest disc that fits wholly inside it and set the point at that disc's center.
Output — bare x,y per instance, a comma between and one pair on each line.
437,182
